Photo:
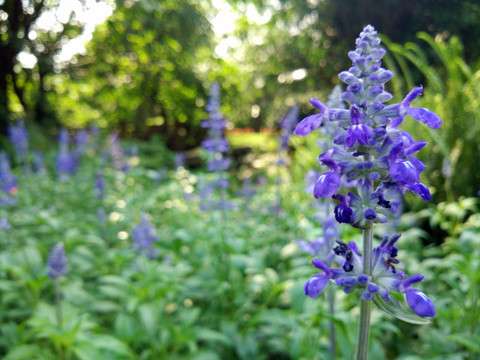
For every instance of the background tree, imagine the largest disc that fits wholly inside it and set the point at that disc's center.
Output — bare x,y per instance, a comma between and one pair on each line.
32,34
295,49
145,71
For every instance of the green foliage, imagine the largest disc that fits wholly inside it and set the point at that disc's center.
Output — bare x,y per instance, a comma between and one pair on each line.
204,298
143,73
25,31
452,90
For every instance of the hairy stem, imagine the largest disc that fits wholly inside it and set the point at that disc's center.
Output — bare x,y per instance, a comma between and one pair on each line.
331,299
365,305
331,310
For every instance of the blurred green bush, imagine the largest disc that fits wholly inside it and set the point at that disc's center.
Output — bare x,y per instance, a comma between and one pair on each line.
452,90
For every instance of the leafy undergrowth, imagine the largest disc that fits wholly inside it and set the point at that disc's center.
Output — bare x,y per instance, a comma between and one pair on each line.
222,287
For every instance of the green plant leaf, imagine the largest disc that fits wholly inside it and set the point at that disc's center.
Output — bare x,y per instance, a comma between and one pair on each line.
210,335
470,341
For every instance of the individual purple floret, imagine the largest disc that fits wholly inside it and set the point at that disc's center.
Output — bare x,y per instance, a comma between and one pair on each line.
8,182
179,160
144,236
287,124
66,161
18,135
57,262
117,153
385,276
99,185
4,224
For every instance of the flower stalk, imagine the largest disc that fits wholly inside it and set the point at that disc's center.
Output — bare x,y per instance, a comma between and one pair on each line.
58,302
331,310
365,305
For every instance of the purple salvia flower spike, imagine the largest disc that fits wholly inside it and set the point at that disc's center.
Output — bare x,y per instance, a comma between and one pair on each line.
99,185
144,236
374,154
57,262
18,135
216,146
8,182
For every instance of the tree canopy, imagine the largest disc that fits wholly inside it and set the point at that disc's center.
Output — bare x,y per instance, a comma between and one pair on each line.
148,67
32,34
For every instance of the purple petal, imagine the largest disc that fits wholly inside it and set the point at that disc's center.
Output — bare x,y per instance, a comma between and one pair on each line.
422,190
370,214
320,265
425,116
415,147
385,76
405,172
355,115
307,125
420,303
327,185
420,166
362,279
352,245
361,133
347,77
315,285
412,95
318,104
412,280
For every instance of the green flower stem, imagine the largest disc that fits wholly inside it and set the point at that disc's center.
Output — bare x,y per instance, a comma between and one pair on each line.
331,310
58,302
365,305
58,306
331,301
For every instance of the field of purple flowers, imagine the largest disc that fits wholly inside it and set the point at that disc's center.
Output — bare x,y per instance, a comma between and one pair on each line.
105,256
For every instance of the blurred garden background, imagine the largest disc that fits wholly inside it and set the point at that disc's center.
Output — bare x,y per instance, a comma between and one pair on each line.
101,110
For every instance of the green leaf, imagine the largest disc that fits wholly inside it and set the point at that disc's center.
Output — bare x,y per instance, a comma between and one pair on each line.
85,351
23,352
125,326
111,344
470,341
208,335
204,355
149,317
